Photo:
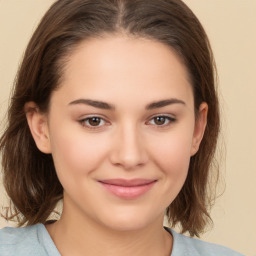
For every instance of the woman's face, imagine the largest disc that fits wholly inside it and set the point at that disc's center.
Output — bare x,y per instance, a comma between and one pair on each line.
121,129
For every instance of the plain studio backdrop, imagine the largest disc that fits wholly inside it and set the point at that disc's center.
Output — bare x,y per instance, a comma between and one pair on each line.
231,27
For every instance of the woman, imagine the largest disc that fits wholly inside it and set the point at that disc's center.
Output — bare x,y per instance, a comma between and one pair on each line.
114,111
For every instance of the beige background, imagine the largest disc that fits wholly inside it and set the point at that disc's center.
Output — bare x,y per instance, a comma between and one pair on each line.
231,26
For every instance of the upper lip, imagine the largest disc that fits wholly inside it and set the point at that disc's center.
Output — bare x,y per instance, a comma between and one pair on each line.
127,183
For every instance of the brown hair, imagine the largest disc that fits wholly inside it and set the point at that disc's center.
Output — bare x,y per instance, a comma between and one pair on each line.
29,175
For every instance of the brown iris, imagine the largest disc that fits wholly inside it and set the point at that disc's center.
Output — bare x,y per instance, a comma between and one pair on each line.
94,121
159,120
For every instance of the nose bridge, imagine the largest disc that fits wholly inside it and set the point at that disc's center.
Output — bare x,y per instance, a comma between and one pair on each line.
129,150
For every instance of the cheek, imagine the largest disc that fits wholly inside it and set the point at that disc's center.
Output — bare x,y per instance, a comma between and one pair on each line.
172,155
76,153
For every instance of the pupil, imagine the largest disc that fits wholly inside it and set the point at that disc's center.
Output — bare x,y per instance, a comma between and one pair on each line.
94,121
159,120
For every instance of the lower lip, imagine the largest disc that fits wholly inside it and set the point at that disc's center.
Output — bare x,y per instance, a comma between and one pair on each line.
128,192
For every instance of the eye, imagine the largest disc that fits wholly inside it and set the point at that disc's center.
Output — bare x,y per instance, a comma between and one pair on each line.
162,120
93,122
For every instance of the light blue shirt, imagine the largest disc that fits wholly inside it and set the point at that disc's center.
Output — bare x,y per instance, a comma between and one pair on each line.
36,241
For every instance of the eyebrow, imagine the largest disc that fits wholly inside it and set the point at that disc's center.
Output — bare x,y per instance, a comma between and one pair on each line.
163,103
93,103
107,106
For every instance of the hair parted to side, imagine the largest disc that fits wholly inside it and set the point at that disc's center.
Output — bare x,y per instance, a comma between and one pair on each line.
29,175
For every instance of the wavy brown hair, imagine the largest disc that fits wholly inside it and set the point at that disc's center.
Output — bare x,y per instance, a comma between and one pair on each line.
29,175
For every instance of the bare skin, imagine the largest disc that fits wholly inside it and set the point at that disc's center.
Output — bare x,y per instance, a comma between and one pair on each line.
124,110
97,240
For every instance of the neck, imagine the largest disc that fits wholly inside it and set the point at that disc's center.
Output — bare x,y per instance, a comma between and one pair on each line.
76,235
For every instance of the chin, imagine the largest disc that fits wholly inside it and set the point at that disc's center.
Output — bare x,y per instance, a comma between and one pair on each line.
129,220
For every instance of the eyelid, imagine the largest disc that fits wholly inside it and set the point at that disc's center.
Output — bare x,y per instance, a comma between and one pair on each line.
85,119
171,119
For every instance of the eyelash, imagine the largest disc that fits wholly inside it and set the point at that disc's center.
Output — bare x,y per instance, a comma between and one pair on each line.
167,118
84,122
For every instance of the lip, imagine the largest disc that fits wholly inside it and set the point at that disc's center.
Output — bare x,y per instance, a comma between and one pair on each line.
128,189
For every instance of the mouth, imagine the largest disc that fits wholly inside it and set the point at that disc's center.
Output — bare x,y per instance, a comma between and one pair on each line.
128,189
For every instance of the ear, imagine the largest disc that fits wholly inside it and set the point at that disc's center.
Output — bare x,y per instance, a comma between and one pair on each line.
200,124
38,125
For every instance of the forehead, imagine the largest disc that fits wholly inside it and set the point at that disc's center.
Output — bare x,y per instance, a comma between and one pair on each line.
110,66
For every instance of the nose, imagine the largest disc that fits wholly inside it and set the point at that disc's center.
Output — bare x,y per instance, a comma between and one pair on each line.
129,149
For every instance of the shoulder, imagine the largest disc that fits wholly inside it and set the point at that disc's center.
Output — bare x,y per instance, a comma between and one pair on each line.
21,241
184,245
